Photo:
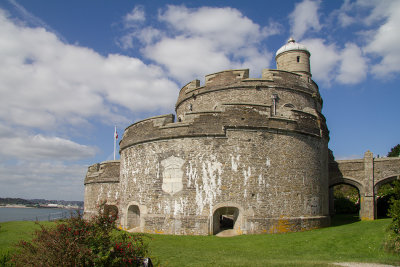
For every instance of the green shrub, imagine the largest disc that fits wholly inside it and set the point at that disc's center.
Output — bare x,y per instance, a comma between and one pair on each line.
393,241
79,242
344,205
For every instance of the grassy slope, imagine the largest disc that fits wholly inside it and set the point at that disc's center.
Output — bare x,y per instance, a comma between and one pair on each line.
360,241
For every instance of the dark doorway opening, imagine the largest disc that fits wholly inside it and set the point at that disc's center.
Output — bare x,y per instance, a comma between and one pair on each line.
224,219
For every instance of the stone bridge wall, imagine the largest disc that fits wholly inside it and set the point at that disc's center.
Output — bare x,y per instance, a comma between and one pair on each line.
367,175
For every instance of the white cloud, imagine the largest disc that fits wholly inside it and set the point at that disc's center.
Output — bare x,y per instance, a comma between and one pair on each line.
342,14
385,42
39,147
324,59
45,83
136,15
304,17
330,63
353,66
203,40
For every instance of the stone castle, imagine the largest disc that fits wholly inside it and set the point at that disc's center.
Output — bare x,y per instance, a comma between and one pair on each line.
244,155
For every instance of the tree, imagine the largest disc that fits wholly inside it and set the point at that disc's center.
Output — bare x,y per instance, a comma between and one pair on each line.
395,151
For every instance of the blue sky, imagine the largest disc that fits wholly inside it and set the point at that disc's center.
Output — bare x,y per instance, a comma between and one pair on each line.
71,70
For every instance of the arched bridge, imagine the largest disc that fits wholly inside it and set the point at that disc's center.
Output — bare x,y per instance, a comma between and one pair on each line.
367,175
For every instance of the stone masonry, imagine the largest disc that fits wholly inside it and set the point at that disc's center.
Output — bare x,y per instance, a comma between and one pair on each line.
248,155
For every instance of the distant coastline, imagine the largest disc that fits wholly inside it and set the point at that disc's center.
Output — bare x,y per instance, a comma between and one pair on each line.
16,206
40,207
40,203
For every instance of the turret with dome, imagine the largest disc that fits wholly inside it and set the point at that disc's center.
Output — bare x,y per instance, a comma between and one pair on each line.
294,57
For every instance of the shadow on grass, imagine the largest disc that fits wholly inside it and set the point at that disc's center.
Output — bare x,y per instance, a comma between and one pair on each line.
342,219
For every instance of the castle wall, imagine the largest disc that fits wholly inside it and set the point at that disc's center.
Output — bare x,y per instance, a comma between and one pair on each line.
245,154
101,186
274,191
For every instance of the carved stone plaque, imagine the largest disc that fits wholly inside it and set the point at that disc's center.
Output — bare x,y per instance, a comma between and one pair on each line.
172,175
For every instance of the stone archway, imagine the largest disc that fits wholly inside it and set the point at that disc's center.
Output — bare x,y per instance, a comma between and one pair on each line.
347,181
345,198
382,197
225,218
133,217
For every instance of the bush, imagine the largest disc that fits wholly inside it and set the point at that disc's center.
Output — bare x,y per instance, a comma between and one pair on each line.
344,205
79,242
393,241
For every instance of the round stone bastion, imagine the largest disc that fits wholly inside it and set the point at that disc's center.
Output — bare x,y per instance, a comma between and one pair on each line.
242,155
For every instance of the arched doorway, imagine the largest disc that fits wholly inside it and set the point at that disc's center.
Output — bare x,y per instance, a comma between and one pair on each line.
133,220
224,218
346,199
345,202
383,193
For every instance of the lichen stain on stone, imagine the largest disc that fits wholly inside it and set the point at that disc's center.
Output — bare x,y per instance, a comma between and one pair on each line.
282,226
246,175
209,186
235,162
191,174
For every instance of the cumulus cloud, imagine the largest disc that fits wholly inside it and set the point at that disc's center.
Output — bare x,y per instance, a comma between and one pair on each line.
304,18
39,147
324,59
45,83
379,20
353,65
136,15
203,40
331,63
48,87
384,43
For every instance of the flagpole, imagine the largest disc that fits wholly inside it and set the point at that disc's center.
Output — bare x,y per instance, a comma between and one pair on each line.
115,139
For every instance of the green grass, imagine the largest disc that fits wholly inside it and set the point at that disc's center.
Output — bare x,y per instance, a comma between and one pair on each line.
350,242
12,232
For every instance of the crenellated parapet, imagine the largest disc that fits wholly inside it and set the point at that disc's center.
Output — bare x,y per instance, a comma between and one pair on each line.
215,123
104,172
235,86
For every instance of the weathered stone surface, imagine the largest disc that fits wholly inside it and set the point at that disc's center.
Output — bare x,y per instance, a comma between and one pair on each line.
249,155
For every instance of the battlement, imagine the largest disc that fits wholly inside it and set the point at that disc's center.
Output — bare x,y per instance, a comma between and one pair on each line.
104,172
226,76
236,86
215,123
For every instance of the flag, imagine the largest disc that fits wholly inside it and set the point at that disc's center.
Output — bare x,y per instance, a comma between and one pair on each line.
116,134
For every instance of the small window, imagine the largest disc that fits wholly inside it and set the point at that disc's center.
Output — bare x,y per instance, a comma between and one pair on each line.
298,58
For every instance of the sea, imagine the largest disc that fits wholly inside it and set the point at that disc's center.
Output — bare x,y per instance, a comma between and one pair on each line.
34,214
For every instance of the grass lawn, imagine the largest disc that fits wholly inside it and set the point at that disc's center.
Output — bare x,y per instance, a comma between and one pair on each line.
12,232
359,241
352,242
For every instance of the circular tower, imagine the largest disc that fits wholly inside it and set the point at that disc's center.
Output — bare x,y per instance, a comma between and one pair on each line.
244,155
294,57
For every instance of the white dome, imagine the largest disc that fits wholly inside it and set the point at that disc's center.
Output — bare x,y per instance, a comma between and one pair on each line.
291,45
